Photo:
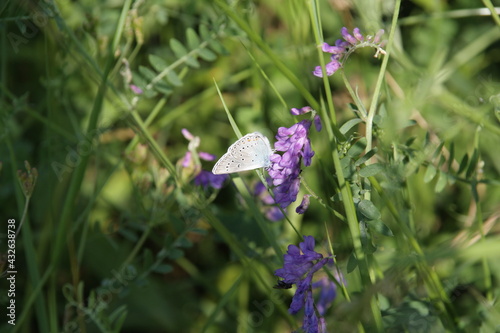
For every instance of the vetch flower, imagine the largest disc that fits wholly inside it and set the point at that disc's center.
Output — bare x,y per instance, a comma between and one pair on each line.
207,156
301,209
327,293
201,177
343,48
208,179
317,123
285,169
271,212
136,89
186,161
300,264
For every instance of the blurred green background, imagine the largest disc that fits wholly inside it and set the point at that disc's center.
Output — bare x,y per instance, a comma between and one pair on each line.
116,237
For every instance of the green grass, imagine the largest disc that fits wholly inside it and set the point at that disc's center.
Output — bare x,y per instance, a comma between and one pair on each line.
115,235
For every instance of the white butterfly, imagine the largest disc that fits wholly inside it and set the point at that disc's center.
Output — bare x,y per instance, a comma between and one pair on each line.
250,152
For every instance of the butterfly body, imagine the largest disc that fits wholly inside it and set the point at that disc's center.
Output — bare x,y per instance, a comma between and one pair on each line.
250,152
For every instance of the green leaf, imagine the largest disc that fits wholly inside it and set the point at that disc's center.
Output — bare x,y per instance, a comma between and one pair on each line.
117,327
442,159
148,258
350,124
158,63
352,263
380,227
207,55
148,74
173,78
463,164
430,173
368,209
473,164
209,37
441,183
347,168
175,254
198,231
139,80
366,157
410,141
183,242
177,47
163,88
192,39
205,32
163,268
452,155
117,313
357,148
127,234
191,61
371,170
438,150
427,139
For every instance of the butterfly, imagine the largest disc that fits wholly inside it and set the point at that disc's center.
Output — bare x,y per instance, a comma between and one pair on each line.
250,152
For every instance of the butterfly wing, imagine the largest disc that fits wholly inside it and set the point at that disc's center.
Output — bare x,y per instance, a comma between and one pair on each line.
250,152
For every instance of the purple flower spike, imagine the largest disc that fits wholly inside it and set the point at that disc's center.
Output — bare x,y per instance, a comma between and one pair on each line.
300,261
285,169
343,48
347,36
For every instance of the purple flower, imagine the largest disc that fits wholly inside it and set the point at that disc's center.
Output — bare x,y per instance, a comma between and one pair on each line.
300,261
186,161
333,49
187,134
317,123
208,179
347,36
379,34
271,212
310,323
357,34
343,48
136,89
285,169
202,177
206,156
327,293
330,68
300,111
301,209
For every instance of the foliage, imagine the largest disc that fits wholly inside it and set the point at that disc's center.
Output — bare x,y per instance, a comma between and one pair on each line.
117,232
